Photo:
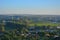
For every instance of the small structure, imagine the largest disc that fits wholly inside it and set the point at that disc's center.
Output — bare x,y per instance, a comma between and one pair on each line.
58,27
56,37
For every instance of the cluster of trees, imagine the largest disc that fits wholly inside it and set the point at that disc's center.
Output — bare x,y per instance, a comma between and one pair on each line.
24,34
15,35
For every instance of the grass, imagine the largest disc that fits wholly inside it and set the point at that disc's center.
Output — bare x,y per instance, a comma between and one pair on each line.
42,23
46,24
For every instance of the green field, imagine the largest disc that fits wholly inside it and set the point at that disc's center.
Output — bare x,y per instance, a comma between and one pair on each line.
46,24
40,24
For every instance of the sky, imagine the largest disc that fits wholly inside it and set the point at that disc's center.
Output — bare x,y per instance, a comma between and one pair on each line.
36,7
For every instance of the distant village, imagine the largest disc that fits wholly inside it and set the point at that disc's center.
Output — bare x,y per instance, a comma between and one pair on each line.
19,29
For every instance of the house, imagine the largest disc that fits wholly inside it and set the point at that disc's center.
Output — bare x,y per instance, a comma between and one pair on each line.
58,27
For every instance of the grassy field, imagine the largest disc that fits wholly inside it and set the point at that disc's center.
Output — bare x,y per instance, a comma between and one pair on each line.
41,24
46,24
